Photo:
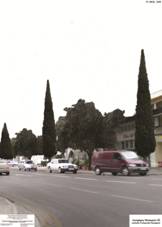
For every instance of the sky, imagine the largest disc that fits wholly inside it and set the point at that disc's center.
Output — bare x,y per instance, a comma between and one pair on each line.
87,49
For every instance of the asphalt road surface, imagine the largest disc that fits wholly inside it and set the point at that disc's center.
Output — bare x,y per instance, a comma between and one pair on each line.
83,200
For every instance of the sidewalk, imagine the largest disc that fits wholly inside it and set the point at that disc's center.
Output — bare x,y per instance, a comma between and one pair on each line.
155,171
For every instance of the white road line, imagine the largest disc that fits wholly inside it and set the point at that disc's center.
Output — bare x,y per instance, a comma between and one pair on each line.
83,190
159,179
156,185
131,198
58,176
84,178
122,182
22,175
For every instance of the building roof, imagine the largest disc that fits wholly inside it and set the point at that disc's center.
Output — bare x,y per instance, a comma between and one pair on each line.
156,94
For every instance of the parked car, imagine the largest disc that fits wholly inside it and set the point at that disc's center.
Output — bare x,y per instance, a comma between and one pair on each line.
61,166
4,167
27,165
12,163
125,162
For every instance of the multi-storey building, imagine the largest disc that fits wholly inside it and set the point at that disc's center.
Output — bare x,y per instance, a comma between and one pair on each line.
125,132
157,114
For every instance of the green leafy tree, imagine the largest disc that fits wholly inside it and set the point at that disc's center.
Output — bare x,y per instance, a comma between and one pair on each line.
5,147
39,145
82,127
144,135
61,143
110,122
49,131
13,141
25,143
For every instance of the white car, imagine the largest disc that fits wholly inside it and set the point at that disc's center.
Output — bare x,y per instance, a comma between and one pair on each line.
61,166
27,165
4,167
12,163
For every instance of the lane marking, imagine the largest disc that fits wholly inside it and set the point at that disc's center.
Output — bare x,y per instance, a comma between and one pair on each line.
22,175
159,179
122,182
156,185
60,176
131,198
84,178
83,190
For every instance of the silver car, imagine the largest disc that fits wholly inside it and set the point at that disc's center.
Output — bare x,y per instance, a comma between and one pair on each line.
4,167
27,165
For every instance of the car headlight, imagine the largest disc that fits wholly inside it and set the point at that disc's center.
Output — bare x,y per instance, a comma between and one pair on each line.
132,165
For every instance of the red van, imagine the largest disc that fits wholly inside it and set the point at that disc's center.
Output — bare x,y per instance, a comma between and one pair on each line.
125,162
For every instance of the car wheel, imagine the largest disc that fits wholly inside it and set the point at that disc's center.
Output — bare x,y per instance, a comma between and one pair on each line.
125,171
98,171
114,173
75,171
143,173
8,173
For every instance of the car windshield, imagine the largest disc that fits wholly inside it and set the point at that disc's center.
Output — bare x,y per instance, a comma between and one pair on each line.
63,161
29,162
130,155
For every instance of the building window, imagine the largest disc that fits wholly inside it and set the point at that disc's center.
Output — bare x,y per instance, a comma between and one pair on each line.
156,122
159,104
160,120
126,144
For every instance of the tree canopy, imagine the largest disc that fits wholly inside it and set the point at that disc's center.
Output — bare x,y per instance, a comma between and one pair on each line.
5,147
48,130
82,127
110,122
144,135
25,143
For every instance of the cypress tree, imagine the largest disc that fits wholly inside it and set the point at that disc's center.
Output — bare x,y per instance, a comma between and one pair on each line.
144,135
48,131
6,147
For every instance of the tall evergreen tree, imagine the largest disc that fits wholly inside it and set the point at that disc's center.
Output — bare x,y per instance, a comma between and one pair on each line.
48,131
6,147
144,135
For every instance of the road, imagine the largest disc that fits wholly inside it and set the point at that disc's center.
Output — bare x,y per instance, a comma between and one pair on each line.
83,200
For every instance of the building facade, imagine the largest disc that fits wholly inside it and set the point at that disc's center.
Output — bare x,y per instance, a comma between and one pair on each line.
125,132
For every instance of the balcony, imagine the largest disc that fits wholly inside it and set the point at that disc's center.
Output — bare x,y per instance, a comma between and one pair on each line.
157,111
